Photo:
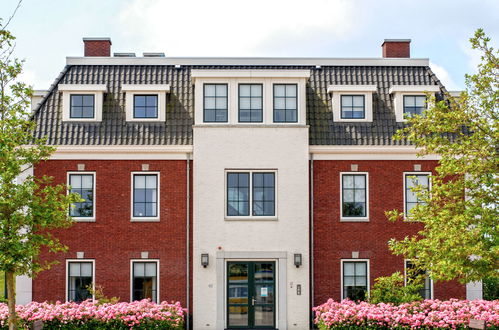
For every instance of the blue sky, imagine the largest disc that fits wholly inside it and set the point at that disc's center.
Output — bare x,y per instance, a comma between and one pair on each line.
49,30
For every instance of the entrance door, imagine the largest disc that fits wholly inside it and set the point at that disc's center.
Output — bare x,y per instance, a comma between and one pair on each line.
251,295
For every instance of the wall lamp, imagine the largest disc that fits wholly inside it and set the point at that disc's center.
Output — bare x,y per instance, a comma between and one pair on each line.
297,260
205,259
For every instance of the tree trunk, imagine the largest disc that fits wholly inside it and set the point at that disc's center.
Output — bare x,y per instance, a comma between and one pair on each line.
11,293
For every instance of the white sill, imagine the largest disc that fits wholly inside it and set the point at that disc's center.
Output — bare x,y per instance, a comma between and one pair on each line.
145,120
144,219
83,219
81,120
354,219
251,218
353,120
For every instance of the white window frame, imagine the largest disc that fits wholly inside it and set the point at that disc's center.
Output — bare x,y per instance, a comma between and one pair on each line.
405,174
67,275
354,219
405,278
145,219
228,102
366,90
298,102
251,216
151,89
399,91
97,90
368,275
157,276
85,219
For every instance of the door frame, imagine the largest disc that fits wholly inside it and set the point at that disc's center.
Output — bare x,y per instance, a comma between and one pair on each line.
280,259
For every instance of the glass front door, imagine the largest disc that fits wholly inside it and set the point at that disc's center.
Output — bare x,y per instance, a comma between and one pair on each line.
251,295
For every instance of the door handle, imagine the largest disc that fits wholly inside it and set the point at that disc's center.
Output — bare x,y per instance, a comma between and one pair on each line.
253,301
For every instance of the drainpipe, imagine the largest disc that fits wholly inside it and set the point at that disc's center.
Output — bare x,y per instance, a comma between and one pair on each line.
188,238
311,239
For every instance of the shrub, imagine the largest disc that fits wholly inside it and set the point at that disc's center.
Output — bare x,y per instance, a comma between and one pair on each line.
491,289
92,315
393,289
427,314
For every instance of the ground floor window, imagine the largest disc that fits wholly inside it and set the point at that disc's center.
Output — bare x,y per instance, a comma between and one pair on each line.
411,273
80,280
145,280
355,279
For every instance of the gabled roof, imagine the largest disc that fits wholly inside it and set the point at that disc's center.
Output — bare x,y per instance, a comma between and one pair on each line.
177,129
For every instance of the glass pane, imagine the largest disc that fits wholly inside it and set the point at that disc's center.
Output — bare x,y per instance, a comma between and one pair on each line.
423,180
140,181
151,269
360,268
221,115
209,103
348,268
358,101
420,101
264,272
409,101
140,195
209,115
87,112
279,90
138,269
87,181
152,101
76,100
151,181
209,90
411,197
244,90
410,206
86,269
360,195
139,112
264,315
139,209
74,269
238,294
290,103
244,179
238,273
150,210
290,90
258,180
75,181
256,103
279,103
291,115
221,90
244,115
256,90
347,181
232,179
279,115
361,281
358,114
348,195
139,101
221,103
245,103
238,316
346,100
348,280
360,181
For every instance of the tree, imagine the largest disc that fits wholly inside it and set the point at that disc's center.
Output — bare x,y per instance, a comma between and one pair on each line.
29,208
459,239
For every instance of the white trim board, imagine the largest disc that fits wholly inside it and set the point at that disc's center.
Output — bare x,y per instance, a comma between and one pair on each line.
122,152
368,274
67,274
354,219
158,197
368,153
94,174
157,276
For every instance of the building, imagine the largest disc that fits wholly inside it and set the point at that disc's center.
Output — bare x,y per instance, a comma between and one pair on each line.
249,189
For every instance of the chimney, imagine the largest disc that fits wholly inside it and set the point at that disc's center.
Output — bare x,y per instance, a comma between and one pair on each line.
97,47
396,48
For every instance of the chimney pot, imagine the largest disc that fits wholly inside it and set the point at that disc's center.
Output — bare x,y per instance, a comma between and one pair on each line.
400,48
97,47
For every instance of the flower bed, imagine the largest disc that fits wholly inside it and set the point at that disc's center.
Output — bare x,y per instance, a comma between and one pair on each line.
428,314
89,315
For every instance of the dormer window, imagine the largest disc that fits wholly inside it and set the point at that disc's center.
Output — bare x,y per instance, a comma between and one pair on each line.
411,100
352,103
145,103
145,106
250,103
215,103
285,103
82,103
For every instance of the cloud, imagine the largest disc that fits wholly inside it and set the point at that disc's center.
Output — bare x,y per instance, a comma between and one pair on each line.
234,28
444,77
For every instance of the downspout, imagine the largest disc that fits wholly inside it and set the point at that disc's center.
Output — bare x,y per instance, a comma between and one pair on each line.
311,239
188,239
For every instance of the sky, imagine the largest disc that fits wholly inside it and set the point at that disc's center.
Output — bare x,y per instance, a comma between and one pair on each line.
49,30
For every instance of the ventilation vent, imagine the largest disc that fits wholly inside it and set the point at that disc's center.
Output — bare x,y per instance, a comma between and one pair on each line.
154,54
124,54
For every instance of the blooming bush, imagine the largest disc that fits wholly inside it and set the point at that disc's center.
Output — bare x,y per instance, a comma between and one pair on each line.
427,314
90,315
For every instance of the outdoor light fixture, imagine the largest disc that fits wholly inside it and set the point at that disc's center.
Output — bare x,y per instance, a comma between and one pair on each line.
205,259
297,260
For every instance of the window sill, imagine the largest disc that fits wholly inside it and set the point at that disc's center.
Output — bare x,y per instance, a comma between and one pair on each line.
81,120
83,219
354,219
353,120
144,220
251,219
145,120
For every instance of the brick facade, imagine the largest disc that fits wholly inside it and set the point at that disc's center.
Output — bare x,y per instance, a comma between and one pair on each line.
97,48
112,240
335,240
396,49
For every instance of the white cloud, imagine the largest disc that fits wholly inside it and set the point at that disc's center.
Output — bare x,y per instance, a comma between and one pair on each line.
444,77
234,28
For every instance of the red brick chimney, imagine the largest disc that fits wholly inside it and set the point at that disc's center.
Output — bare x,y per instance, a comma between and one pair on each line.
397,48
97,46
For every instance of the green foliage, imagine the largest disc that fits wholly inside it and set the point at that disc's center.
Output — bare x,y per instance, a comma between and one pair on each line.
392,289
491,288
98,294
460,235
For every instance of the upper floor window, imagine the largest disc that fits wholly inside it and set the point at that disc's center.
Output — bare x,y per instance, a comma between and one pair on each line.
145,280
251,193
413,274
82,106
353,107
354,196
250,103
355,280
414,104
285,103
83,184
80,277
145,106
409,100
411,197
145,196
215,108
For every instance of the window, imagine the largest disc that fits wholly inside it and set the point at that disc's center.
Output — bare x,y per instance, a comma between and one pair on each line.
250,103
285,103
414,104
352,106
412,274
80,277
82,106
355,279
354,196
215,103
83,185
145,196
413,180
251,193
145,280
145,106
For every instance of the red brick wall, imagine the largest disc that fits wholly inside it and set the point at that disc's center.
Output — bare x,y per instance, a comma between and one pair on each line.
335,240
97,48
396,49
112,240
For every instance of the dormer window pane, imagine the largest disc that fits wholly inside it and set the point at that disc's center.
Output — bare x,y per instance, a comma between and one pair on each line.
250,103
414,104
82,106
145,106
352,106
285,103
215,103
